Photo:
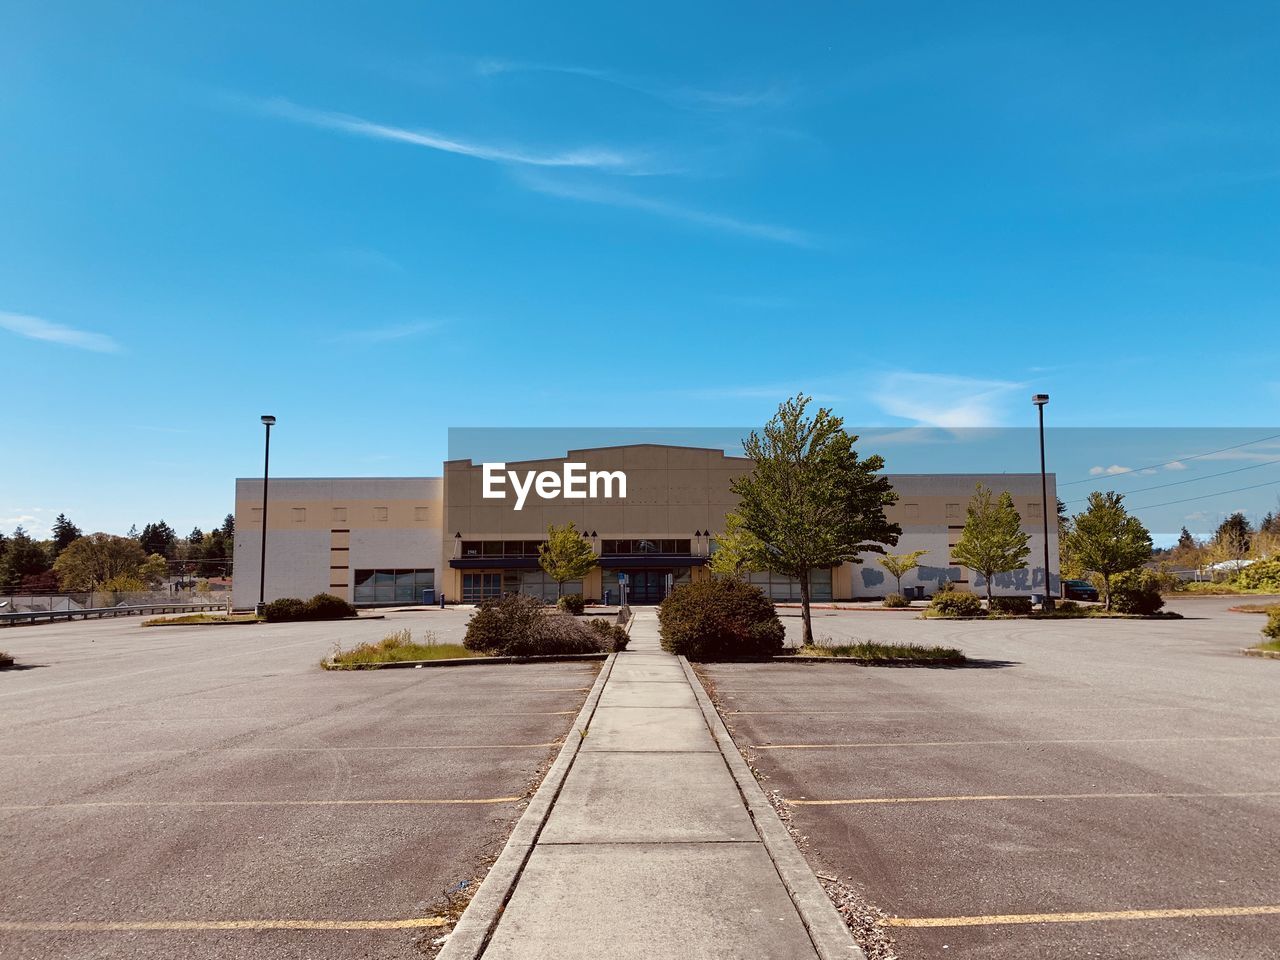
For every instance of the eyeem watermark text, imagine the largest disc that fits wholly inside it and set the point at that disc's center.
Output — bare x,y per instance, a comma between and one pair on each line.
574,482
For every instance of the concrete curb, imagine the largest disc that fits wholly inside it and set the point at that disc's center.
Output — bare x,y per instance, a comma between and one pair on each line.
470,661
1265,654
471,935
886,662
831,938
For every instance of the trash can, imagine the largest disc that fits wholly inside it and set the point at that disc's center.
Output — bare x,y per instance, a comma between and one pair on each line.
1037,599
428,597
608,598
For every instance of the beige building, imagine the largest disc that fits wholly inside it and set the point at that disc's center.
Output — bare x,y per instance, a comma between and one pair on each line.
649,511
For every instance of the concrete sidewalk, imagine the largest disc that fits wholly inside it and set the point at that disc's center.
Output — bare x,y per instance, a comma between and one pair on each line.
651,847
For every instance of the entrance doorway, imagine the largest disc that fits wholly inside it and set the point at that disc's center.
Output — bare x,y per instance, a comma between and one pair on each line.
647,586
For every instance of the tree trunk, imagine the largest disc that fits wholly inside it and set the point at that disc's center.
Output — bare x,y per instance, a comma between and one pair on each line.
988,578
804,609
1106,592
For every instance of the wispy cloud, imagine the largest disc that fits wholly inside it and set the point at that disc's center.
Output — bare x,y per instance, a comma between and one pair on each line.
668,209
680,95
398,331
34,328
1110,471
944,400
595,158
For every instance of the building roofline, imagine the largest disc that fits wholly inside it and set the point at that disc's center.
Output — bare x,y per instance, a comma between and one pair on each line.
619,446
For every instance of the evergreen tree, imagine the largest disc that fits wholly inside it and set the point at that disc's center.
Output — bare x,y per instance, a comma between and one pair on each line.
158,538
993,540
1236,529
1185,540
195,537
22,558
64,534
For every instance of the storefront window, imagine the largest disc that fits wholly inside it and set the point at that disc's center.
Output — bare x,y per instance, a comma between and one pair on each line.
392,586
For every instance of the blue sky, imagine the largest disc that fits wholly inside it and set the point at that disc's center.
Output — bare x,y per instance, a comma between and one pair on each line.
383,225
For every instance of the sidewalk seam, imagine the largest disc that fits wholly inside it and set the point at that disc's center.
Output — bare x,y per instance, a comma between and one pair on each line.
470,937
830,936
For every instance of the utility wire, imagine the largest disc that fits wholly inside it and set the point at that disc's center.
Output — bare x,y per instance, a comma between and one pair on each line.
1198,456
1175,483
1220,493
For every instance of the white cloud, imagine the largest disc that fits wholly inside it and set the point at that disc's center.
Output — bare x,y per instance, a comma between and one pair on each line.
1175,465
1109,471
399,331
944,400
596,158
668,209
34,328
675,94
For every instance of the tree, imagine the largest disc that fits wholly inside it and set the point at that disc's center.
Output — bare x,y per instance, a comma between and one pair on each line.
93,560
737,551
195,537
1108,540
900,564
810,500
1237,530
993,540
566,555
158,538
1185,540
23,557
64,534
153,571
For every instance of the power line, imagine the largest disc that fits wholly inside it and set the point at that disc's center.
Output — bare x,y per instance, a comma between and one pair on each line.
1175,483
1220,493
1198,456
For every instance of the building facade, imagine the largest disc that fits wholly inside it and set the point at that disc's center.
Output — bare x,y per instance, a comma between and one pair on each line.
386,541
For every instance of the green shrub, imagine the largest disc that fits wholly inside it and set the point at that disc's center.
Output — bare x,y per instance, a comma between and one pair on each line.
945,586
953,603
1136,591
1020,606
717,618
613,638
896,601
1272,629
572,604
284,610
325,606
1262,575
518,625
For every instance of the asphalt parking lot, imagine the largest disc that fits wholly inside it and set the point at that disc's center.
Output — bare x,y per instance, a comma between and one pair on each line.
210,792
1092,789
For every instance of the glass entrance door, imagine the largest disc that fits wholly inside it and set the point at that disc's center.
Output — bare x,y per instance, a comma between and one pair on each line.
647,586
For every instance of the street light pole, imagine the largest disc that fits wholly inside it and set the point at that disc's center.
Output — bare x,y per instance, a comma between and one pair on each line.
1040,399
268,422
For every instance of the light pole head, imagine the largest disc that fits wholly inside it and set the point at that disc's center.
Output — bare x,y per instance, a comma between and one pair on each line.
1040,399
269,420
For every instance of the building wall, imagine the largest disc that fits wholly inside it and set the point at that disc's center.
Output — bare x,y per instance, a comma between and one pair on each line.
320,531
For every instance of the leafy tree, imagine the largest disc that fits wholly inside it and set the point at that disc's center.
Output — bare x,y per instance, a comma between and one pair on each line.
153,571
738,551
1108,540
229,537
993,540
900,564
23,557
93,560
64,534
810,500
158,538
566,555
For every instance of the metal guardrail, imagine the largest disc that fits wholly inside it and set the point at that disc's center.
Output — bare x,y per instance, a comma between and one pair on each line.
37,616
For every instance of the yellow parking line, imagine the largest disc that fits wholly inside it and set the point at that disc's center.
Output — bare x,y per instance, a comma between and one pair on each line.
18,926
258,803
993,743
1087,917
854,801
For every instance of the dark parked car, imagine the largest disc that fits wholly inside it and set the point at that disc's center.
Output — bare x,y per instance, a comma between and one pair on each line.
1079,590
